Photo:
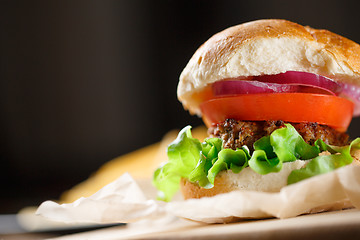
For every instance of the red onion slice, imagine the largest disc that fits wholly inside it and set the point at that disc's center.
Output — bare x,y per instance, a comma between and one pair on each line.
303,78
223,88
233,87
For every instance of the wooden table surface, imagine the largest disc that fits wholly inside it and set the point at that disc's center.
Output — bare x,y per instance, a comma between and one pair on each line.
330,225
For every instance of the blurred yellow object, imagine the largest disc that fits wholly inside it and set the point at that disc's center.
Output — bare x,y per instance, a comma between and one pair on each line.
140,164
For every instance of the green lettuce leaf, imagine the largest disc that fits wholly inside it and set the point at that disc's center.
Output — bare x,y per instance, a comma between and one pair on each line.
289,146
202,162
283,145
210,150
228,159
325,163
261,164
183,156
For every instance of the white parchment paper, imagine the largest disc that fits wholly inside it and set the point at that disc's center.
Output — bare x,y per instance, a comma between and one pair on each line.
124,201
121,201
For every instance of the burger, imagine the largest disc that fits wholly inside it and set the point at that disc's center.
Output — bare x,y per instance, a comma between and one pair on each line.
277,99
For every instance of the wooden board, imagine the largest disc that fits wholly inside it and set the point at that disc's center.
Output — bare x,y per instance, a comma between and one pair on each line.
330,225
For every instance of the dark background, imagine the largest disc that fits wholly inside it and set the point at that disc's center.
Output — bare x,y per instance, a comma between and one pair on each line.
82,82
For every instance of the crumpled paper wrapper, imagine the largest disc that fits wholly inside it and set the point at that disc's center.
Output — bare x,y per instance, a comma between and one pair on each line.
125,201
121,201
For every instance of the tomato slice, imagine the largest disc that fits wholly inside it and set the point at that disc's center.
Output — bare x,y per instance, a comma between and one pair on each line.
328,110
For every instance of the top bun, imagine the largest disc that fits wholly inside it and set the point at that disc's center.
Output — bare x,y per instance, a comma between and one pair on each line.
267,47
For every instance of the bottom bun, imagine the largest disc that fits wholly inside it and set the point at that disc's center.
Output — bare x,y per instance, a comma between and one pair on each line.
247,179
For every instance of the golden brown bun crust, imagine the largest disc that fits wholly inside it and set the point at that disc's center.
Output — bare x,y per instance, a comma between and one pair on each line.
268,47
192,190
345,49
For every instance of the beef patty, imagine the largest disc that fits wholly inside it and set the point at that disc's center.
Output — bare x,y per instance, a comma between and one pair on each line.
238,133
